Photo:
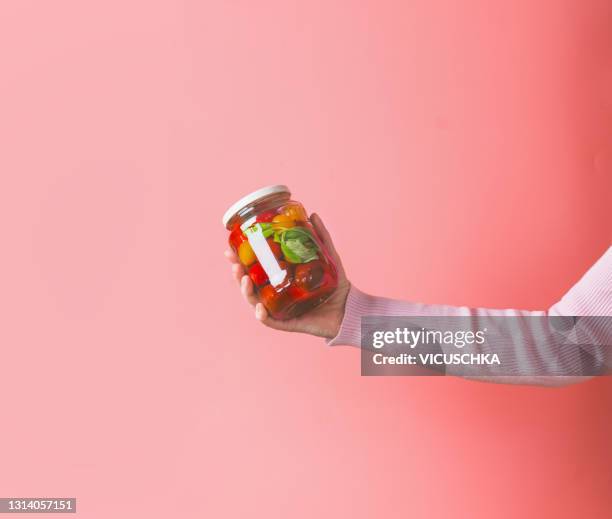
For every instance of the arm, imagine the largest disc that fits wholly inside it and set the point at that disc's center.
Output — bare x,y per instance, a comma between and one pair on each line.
591,296
339,319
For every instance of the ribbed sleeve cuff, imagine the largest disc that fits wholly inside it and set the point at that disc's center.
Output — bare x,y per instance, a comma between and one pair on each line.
359,304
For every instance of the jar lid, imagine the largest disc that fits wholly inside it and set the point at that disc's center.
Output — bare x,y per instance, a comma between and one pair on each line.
253,197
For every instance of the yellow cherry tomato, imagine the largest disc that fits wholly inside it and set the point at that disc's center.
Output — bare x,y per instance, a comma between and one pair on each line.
282,221
246,254
295,212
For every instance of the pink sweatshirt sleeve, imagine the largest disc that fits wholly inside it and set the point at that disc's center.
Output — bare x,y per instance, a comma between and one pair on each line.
591,296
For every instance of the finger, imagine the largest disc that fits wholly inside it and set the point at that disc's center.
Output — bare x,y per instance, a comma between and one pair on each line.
326,238
262,315
237,272
246,287
231,255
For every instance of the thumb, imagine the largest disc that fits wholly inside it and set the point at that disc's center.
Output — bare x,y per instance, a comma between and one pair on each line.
326,238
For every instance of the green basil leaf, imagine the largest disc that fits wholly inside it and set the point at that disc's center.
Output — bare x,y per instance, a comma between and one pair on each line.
298,245
290,256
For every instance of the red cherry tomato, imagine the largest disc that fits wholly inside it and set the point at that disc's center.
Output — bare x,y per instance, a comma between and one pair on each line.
258,275
296,292
274,300
309,276
265,217
236,237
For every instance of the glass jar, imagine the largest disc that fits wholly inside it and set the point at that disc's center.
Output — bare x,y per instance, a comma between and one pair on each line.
278,247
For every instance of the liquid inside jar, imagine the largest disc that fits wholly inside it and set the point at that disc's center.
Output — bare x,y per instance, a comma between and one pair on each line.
277,245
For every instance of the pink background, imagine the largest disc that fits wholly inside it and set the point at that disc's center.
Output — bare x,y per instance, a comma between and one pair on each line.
460,152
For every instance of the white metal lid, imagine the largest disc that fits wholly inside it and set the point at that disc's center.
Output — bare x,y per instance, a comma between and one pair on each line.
253,197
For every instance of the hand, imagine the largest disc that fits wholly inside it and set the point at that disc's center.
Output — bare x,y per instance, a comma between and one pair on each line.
325,319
